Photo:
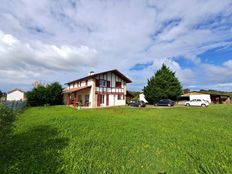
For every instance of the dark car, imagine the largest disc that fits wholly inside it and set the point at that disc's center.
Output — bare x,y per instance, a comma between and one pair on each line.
165,102
137,103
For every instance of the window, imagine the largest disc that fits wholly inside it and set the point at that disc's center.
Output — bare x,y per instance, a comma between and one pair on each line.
79,98
86,82
108,84
118,84
87,98
102,83
120,96
102,99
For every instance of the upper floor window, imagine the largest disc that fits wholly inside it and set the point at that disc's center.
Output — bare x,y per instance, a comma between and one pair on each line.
118,85
86,82
102,83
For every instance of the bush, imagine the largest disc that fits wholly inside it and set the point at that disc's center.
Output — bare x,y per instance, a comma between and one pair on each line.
7,117
45,95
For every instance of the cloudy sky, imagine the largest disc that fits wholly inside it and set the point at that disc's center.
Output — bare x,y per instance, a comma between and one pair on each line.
62,40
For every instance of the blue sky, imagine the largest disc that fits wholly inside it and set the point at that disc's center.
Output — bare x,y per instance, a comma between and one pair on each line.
63,40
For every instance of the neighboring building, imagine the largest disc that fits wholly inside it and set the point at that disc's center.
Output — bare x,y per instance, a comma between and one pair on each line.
142,98
97,90
16,95
196,95
3,97
211,98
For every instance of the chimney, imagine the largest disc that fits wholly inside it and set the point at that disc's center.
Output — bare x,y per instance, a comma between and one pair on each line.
91,73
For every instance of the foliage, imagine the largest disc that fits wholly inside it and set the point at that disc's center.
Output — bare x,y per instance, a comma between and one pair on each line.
186,90
7,117
50,94
59,139
0,93
163,85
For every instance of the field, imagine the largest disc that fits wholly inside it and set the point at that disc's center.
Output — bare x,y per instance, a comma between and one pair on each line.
60,139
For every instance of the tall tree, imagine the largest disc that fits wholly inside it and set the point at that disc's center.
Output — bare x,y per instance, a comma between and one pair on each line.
164,84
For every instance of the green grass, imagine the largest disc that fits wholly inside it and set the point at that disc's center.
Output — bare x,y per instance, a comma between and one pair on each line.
120,140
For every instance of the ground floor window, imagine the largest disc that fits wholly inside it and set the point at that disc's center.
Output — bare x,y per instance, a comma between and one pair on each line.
87,98
120,97
102,99
79,98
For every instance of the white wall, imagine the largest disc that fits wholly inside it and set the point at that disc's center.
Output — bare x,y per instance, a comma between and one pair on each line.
15,95
142,98
203,96
113,100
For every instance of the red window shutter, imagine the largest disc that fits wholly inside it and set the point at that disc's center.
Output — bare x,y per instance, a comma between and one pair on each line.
98,99
97,83
108,84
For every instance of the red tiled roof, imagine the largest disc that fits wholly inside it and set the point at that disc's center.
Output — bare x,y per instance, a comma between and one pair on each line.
76,89
127,80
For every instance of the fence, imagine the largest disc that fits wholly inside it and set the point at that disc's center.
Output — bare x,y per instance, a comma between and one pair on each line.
15,105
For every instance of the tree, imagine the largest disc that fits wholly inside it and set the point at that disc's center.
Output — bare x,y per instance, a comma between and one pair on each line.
49,94
0,93
186,90
163,85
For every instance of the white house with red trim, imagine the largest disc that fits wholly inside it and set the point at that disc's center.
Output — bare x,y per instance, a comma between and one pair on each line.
97,90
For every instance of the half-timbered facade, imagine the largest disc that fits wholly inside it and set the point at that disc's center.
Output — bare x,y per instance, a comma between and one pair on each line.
97,90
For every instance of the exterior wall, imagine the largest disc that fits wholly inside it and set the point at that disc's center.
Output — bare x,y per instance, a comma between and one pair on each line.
142,98
15,95
112,91
201,96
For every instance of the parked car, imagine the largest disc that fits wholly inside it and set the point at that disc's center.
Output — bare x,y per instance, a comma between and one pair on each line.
197,102
137,103
165,102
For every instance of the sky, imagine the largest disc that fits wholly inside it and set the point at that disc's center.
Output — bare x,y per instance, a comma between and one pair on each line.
63,40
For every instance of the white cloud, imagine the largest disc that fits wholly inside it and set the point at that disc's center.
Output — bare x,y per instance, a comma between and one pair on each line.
59,36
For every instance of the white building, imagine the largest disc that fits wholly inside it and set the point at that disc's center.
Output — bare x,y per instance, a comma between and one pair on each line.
97,90
142,98
197,95
16,95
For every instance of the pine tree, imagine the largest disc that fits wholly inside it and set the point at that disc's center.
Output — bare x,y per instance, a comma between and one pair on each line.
163,85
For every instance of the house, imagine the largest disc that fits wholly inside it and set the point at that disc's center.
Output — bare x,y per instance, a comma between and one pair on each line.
142,98
16,95
97,90
3,97
211,98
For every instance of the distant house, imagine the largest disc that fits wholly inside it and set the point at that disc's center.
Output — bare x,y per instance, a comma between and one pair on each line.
211,98
142,98
97,90
16,95
3,97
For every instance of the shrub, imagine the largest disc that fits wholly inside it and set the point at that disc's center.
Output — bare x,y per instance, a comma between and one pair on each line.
7,117
50,94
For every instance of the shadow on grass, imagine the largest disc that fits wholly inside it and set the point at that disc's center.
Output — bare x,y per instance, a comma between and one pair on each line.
36,151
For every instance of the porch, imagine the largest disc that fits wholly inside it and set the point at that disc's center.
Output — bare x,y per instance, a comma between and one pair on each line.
78,97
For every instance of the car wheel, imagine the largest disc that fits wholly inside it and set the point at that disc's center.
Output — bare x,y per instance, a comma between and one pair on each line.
187,104
169,105
203,105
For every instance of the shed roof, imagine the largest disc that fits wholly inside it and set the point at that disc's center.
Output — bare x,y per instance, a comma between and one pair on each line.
76,89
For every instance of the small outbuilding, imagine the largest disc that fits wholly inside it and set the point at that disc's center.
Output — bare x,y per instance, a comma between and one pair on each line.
142,98
16,95
211,98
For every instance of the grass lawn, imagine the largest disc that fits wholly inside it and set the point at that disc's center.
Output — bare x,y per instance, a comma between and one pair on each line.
120,140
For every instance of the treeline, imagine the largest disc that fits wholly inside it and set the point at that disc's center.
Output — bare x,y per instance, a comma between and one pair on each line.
50,94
